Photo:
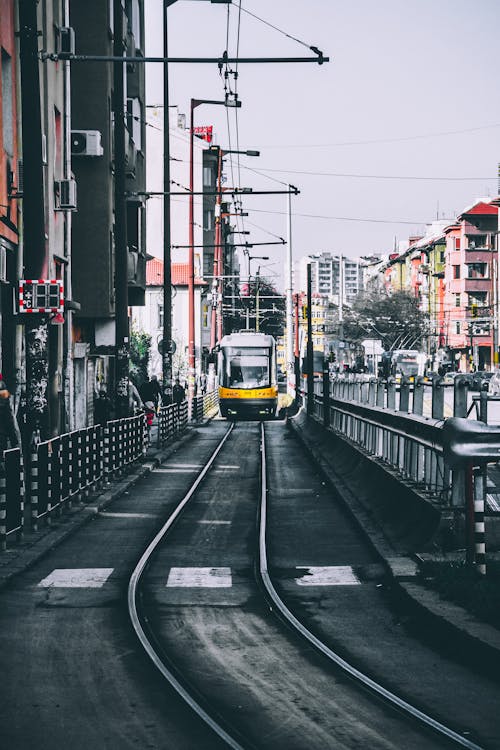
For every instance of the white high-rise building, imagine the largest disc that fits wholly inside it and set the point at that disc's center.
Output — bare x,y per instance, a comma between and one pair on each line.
325,276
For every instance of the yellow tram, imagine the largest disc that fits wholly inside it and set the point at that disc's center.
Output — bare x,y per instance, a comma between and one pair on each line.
247,375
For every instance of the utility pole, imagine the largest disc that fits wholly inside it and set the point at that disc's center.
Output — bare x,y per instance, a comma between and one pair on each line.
122,343
289,302
35,254
166,353
310,355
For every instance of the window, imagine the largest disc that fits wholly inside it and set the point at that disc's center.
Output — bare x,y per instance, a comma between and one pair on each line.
208,177
456,272
134,121
477,270
457,300
57,144
134,21
7,104
207,219
479,240
478,299
457,326
457,243
160,315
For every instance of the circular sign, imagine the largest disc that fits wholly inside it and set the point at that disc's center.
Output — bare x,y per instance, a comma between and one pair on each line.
173,347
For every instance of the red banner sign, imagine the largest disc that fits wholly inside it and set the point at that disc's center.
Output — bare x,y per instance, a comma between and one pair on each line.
204,132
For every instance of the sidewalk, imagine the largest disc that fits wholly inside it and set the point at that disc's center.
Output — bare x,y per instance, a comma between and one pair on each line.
445,619
35,544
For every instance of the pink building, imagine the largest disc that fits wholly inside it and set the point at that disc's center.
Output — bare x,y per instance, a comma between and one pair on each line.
470,296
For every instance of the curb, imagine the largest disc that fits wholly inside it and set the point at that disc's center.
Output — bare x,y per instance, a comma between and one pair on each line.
467,636
36,545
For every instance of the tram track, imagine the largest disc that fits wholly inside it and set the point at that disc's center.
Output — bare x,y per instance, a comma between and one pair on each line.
230,734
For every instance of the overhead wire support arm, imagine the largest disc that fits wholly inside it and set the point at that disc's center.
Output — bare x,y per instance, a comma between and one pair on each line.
235,191
56,57
233,244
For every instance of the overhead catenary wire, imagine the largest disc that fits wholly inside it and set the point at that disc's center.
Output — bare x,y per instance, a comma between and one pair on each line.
343,218
371,176
384,140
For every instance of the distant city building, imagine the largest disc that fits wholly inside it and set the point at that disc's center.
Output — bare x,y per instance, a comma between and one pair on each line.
326,276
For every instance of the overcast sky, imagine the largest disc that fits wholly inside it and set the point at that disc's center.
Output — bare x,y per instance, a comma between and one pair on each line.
411,91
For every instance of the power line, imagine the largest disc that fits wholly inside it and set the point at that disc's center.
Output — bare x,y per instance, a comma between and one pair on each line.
373,176
387,140
342,218
280,31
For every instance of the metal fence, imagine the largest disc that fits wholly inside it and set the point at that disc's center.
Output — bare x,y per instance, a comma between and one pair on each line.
443,459
408,443
70,466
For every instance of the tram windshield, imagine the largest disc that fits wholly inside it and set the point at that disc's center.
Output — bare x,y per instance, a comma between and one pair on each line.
245,368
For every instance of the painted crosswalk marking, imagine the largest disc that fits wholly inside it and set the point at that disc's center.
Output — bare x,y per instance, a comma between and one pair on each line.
108,514
73,578
336,575
216,523
209,578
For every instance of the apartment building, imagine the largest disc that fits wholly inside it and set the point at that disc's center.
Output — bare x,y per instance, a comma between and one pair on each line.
471,297
333,275
95,223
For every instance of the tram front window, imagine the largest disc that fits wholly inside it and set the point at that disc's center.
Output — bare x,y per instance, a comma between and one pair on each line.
246,370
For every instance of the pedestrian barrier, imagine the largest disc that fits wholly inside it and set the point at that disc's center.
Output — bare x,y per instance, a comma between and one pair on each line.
11,496
172,419
445,460
72,465
205,405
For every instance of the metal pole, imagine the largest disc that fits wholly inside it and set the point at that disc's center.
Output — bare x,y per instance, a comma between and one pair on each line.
310,363
166,354
257,290
248,298
191,332
120,232
296,349
35,260
289,305
341,297
213,324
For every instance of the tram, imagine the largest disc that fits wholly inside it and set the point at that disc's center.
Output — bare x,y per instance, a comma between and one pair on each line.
247,375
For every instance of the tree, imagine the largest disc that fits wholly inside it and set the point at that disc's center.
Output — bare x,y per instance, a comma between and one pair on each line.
140,351
395,319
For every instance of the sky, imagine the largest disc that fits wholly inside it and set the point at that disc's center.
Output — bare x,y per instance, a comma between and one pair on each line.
401,127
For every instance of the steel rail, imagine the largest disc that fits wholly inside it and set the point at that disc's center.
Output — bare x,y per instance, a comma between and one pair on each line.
394,700
137,621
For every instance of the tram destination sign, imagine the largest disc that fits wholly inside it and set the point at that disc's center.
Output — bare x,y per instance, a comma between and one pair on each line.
41,296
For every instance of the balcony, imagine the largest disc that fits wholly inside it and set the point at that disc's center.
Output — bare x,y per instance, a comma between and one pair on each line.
477,285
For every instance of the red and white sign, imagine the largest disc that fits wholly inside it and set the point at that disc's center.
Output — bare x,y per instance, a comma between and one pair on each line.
41,296
204,132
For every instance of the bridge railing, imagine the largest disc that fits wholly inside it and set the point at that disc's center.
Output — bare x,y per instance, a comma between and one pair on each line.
444,459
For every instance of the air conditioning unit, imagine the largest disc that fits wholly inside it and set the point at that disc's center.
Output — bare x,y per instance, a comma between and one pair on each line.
86,143
66,42
67,195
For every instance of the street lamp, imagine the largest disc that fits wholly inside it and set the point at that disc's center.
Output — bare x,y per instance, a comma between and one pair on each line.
216,327
228,102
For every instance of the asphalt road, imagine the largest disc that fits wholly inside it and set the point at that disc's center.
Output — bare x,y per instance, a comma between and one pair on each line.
74,676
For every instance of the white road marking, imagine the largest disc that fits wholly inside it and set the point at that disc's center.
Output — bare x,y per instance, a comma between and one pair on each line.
182,470
220,523
338,575
76,578
107,514
208,578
